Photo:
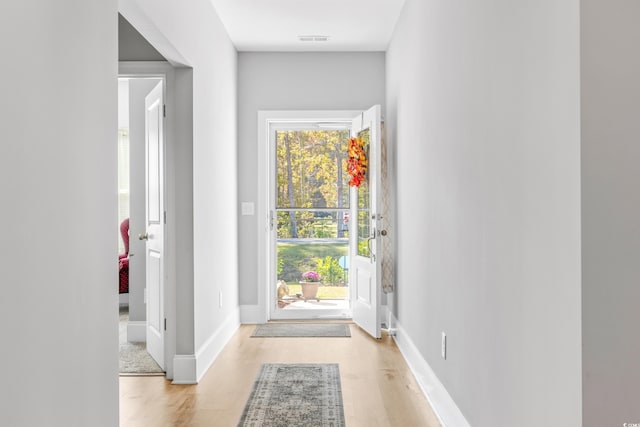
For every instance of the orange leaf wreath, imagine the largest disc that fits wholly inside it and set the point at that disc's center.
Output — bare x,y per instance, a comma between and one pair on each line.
357,162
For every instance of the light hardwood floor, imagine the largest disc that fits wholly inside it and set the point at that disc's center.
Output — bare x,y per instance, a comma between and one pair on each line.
377,387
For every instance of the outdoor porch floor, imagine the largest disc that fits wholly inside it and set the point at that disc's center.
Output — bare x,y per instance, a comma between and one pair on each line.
323,304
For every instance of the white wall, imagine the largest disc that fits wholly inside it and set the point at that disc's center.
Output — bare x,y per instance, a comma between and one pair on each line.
483,110
292,81
610,212
59,275
193,35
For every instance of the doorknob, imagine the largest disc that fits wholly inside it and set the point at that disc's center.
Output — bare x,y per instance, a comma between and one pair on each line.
143,236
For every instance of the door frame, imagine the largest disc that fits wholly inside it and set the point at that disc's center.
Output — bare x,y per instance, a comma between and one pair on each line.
266,168
164,71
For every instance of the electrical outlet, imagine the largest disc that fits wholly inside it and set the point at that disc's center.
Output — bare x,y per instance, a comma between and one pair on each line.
444,346
220,298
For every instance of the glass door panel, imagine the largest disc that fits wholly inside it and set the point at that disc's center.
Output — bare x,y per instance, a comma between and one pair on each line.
364,224
311,221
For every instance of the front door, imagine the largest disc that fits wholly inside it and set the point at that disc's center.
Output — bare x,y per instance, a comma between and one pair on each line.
366,213
154,233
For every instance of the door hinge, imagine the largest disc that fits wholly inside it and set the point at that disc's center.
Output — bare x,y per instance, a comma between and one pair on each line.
271,220
164,110
165,217
165,323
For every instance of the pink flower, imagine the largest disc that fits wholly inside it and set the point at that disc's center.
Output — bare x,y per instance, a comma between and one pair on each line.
310,276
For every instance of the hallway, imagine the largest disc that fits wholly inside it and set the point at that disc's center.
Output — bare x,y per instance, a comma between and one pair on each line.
378,388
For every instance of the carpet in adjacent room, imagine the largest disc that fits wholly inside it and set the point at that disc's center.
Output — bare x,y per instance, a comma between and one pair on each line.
134,359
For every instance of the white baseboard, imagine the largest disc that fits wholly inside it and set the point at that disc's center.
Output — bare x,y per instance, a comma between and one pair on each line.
123,298
137,331
214,345
443,405
251,315
188,368
184,369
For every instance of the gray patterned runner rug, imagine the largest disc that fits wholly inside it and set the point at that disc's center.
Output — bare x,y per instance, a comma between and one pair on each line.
298,395
302,330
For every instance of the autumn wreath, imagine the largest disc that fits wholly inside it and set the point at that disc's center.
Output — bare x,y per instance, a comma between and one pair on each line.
357,162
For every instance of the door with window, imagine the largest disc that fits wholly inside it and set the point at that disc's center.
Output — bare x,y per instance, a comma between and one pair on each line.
309,219
365,249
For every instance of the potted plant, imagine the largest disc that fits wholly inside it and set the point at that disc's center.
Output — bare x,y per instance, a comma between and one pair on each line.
310,283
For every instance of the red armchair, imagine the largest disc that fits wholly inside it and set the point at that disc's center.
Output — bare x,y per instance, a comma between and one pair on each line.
123,259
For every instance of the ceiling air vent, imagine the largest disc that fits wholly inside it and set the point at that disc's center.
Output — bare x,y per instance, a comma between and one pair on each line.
313,38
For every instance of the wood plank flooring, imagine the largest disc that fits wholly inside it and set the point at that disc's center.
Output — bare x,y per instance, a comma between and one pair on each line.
377,387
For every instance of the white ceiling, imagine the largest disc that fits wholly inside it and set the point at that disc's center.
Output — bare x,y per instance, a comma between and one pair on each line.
275,25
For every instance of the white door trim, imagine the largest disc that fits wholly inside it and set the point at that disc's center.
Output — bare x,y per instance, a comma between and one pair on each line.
164,71
267,119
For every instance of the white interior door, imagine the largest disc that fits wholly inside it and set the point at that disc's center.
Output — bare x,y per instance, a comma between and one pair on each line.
154,233
366,226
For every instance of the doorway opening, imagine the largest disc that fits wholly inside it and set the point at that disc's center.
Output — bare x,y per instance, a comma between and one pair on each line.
133,170
309,217
327,218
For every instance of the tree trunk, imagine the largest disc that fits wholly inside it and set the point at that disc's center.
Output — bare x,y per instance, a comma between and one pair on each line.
292,215
339,219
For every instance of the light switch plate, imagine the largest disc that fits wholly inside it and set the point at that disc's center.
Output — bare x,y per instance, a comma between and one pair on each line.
248,208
